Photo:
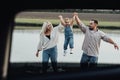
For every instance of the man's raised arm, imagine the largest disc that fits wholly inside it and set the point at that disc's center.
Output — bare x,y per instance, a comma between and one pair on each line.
80,23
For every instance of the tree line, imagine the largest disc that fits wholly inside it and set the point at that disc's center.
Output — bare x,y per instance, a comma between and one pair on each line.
81,10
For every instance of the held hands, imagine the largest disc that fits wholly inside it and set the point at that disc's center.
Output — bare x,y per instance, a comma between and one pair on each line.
75,14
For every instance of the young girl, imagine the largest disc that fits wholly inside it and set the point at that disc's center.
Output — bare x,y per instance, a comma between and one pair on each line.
48,43
68,32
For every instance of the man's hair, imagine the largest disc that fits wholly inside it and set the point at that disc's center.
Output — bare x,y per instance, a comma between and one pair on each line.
95,21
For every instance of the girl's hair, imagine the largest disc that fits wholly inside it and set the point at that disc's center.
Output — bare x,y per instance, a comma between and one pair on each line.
44,26
67,19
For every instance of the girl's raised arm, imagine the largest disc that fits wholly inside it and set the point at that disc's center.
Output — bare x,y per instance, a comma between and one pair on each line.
62,20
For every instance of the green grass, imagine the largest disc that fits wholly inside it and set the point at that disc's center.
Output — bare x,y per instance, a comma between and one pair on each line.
26,28
37,21
57,21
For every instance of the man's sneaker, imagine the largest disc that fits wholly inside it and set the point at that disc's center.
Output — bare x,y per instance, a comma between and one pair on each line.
65,52
71,51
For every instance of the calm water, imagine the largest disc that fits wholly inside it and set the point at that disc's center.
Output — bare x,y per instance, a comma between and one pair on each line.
25,42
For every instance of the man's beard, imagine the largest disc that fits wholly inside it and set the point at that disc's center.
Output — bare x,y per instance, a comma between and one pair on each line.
91,28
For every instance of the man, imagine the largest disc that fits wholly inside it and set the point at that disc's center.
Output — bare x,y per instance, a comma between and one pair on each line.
91,42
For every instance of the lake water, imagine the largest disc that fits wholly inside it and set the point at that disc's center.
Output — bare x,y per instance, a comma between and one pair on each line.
25,42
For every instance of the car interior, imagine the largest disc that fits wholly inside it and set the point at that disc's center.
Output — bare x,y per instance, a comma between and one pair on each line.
32,70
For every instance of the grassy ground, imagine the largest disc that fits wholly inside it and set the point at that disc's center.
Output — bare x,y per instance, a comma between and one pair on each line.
56,21
26,28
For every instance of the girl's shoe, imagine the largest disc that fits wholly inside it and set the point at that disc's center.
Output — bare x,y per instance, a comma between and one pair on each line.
71,51
65,52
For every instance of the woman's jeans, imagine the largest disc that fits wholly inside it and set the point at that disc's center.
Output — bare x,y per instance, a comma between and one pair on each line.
52,54
88,61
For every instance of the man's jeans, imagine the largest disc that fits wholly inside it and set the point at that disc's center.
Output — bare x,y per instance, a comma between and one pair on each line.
52,54
88,61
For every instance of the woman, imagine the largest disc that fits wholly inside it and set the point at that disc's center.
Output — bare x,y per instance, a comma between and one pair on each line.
48,43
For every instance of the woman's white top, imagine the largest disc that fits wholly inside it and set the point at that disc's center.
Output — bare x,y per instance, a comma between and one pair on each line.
46,43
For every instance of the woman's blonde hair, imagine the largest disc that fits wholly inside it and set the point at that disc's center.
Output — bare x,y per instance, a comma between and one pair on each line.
44,26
